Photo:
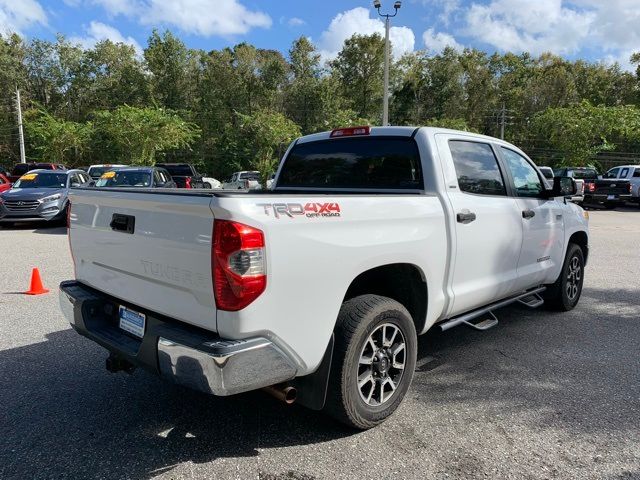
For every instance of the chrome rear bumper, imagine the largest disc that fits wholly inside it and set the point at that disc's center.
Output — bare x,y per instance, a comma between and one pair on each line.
228,368
181,353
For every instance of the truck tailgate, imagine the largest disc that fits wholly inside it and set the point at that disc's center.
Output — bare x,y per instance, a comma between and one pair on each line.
156,255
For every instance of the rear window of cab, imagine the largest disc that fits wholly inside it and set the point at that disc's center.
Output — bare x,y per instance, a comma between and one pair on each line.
354,163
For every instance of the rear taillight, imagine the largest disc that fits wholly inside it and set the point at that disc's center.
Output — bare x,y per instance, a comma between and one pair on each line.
238,258
187,182
591,187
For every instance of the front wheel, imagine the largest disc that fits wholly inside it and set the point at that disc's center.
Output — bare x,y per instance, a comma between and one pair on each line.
373,362
564,293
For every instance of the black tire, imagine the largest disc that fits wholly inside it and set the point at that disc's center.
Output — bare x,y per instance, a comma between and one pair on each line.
557,295
359,318
610,206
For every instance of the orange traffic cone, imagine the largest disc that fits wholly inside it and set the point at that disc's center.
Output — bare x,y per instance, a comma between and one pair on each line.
36,284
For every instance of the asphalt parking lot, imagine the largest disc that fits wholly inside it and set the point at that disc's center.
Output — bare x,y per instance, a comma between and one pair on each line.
542,395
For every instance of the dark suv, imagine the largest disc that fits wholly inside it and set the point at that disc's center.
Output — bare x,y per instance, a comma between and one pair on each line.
184,174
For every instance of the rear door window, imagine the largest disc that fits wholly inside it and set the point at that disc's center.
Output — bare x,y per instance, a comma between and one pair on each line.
636,173
624,173
380,163
477,168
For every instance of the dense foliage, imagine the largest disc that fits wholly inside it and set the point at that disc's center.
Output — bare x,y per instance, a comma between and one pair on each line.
239,107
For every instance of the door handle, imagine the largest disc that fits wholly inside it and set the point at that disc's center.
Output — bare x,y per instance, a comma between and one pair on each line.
466,217
528,214
123,223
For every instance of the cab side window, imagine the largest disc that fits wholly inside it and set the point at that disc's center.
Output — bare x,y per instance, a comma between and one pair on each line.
636,173
613,173
624,173
525,177
477,168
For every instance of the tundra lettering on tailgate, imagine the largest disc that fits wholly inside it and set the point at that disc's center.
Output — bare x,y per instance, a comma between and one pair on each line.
310,210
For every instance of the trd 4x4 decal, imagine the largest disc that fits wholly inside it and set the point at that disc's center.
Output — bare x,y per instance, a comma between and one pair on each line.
310,210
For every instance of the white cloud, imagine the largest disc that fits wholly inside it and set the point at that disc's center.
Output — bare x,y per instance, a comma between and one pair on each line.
357,20
296,22
198,17
16,15
98,31
522,25
436,42
560,26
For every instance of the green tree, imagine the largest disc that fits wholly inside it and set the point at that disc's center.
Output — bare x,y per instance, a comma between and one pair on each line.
141,133
359,69
56,140
168,60
581,131
265,134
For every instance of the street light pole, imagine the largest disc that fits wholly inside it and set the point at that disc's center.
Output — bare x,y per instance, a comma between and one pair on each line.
387,25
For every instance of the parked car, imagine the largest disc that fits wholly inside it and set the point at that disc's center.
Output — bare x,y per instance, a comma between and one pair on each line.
40,195
5,184
184,174
140,177
247,180
96,171
318,288
20,169
598,191
630,173
212,182
547,172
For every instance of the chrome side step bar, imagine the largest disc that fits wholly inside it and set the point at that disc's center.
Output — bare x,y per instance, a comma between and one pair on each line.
486,324
532,301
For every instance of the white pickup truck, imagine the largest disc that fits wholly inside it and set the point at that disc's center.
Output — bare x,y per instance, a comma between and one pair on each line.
318,289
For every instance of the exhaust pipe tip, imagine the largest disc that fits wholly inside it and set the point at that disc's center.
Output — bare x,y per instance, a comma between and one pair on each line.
284,393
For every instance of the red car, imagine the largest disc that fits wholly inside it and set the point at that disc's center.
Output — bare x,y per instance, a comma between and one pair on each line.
5,184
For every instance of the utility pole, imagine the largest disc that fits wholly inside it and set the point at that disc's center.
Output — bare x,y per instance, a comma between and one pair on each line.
387,25
20,132
502,121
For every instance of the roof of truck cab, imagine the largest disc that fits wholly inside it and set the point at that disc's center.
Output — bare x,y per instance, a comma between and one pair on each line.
399,132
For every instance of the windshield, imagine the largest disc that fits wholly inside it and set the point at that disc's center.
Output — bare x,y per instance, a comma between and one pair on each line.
250,176
97,172
587,173
135,178
42,180
366,162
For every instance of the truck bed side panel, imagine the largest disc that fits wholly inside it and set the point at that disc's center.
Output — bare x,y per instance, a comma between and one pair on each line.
311,261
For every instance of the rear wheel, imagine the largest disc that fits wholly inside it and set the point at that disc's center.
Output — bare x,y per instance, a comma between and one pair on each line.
374,360
564,293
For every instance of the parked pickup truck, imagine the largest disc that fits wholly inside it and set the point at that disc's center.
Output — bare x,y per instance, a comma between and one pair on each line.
630,173
243,181
605,191
318,289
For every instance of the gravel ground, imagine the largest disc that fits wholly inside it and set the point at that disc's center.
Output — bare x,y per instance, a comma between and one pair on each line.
542,395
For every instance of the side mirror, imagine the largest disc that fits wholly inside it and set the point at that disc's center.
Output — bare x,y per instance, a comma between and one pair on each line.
563,187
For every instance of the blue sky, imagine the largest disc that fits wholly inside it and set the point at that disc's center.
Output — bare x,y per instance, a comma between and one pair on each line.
597,30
